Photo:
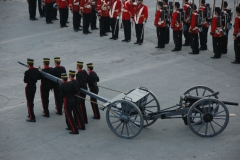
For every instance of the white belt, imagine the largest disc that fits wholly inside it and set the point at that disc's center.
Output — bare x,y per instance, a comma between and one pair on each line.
87,6
76,3
218,30
195,28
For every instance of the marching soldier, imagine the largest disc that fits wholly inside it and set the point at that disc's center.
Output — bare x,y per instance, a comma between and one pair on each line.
140,18
225,36
74,6
103,16
32,6
114,12
186,26
216,33
63,11
48,7
176,25
236,36
193,31
167,34
86,7
30,78
67,91
46,86
160,25
94,15
127,12
92,85
58,70
204,34
81,77
76,110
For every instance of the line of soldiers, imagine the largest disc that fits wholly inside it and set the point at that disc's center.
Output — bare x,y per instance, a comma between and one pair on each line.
67,94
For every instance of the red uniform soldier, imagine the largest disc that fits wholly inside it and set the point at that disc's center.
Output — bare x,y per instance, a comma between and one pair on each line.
204,34
74,6
186,7
236,35
114,13
193,31
102,8
86,8
63,11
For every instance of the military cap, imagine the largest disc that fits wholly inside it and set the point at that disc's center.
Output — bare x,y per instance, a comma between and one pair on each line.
89,65
218,10
57,59
79,63
177,4
64,75
160,3
195,7
225,3
238,9
46,59
72,72
165,1
30,61
203,1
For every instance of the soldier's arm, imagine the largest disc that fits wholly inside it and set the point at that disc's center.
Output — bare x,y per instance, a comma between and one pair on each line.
25,79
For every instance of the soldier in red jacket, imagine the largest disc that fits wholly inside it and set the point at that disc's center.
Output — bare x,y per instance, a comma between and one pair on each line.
114,13
186,7
216,33
204,34
48,9
94,15
102,7
86,8
140,18
193,31
167,35
63,11
74,6
160,25
127,12
176,25
236,36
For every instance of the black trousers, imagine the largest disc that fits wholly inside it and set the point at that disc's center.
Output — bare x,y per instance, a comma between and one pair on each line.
203,37
95,109
217,46
48,8
114,27
68,107
127,29
63,16
161,33
41,8
167,35
58,100
177,38
32,4
76,19
83,108
93,19
186,34
237,49
54,11
225,42
194,43
44,92
108,23
77,114
86,22
103,25
30,94
139,32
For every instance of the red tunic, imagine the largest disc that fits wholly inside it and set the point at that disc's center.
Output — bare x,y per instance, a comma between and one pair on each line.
236,31
127,10
115,8
193,26
102,7
75,5
140,13
158,22
86,6
185,8
215,30
205,23
175,25
62,3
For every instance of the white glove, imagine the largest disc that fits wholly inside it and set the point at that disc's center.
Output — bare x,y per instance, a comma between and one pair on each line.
131,20
134,3
118,17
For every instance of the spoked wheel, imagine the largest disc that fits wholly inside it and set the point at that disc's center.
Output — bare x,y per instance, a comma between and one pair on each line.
200,91
208,117
150,105
124,119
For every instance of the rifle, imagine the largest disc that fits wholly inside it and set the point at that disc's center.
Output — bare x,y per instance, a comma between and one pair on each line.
213,12
191,10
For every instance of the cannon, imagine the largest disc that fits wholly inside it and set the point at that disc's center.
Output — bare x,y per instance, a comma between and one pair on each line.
128,113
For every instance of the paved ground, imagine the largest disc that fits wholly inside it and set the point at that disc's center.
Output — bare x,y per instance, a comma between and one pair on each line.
120,66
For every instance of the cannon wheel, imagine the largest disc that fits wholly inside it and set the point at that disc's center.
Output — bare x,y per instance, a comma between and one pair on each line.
124,119
212,117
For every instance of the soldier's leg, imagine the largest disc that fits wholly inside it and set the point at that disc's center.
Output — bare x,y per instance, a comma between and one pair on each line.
167,35
124,25
94,103
58,101
117,28
30,94
129,30
34,8
141,34
237,49
77,116
162,35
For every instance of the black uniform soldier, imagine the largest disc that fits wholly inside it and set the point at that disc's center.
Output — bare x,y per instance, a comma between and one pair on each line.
58,70
81,77
67,91
76,109
32,6
92,85
46,86
30,78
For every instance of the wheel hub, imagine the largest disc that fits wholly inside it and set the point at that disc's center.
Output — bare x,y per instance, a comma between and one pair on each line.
208,118
124,119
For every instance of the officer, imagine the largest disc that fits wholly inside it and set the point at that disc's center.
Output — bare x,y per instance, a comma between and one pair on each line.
94,15
127,12
102,16
216,33
114,12
186,7
76,109
82,77
193,31
48,7
140,18
32,6
67,91
74,7
58,70
92,85
86,8
46,86
160,25
167,34
225,36
236,36
30,78
63,12
176,25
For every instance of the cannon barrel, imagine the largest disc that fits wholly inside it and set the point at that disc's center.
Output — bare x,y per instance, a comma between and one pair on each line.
195,98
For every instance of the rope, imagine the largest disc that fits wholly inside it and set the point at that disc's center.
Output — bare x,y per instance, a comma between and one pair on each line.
111,89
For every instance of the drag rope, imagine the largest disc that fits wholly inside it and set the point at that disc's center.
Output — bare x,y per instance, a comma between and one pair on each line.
111,89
